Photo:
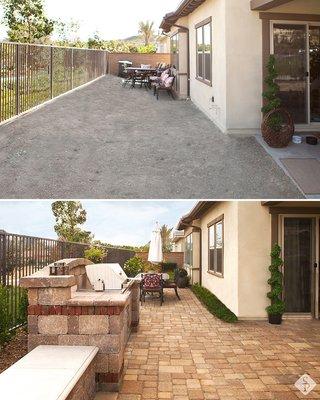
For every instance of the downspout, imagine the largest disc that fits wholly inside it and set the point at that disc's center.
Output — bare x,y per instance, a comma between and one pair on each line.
188,54
198,229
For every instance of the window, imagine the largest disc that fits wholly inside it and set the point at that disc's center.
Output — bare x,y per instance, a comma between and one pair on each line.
188,250
175,50
204,51
216,244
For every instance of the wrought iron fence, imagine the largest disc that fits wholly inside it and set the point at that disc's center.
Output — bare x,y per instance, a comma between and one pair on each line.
32,74
23,255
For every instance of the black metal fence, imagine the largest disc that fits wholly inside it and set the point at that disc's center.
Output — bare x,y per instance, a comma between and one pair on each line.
32,74
23,255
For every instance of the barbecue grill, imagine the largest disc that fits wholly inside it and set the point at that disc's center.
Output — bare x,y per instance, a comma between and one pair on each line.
106,276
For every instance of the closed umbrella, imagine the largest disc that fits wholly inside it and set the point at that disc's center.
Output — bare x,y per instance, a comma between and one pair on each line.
155,250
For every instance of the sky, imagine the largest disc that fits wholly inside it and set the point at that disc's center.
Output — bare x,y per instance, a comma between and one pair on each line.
112,19
114,222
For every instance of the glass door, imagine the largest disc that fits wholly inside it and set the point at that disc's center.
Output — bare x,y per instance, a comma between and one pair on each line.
298,252
290,50
314,51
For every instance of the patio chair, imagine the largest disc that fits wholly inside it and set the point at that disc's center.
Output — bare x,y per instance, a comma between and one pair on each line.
128,77
150,284
171,285
166,85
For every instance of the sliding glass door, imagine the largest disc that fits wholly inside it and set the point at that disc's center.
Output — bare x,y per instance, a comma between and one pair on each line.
296,47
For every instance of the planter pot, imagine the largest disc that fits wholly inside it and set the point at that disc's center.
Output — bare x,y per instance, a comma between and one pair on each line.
281,138
275,319
182,282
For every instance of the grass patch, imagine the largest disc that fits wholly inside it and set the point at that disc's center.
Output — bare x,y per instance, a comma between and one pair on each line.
213,304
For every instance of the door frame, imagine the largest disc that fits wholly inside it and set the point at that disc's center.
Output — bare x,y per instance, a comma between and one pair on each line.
315,300
307,25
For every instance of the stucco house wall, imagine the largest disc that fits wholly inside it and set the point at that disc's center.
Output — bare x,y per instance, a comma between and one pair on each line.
254,248
226,287
237,66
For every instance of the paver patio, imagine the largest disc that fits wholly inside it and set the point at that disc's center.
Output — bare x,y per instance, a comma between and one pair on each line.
104,141
183,352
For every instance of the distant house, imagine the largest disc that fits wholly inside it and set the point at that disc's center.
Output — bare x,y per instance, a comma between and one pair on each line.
227,248
221,48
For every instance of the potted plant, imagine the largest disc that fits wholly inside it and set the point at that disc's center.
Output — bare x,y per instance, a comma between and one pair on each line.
277,307
277,126
181,278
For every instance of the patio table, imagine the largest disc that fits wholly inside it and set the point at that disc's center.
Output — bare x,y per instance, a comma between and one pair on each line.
139,70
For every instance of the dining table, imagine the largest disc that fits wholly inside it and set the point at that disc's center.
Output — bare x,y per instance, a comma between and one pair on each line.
140,70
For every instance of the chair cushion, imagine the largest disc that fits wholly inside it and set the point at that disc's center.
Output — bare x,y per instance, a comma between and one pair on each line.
168,82
152,281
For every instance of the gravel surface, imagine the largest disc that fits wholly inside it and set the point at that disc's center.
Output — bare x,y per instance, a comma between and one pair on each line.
106,141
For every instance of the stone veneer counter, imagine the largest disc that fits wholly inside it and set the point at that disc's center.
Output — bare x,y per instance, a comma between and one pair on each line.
62,312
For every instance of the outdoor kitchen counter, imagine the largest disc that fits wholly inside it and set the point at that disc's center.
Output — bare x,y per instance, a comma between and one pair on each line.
91,298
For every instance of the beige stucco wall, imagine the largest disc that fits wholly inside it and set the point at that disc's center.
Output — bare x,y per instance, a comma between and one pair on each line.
226,287
178,245
237,62
247,246
254,247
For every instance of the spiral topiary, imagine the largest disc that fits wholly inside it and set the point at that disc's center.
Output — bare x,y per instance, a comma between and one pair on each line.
277,306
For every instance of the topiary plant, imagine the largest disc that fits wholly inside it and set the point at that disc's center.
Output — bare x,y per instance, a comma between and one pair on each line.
277,306
271,95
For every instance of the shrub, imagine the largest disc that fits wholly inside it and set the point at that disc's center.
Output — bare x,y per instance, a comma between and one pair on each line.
277,306
168,266
213,304
4,315
95,254
23,306
134,266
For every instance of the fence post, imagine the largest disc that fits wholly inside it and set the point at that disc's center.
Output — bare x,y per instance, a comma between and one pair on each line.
51,71
17,80
3,257
72,68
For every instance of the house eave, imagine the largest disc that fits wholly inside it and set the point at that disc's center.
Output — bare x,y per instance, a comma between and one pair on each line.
197,212
264,5
185,8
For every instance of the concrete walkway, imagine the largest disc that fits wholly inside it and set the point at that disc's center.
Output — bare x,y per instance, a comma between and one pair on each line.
104,141
182,352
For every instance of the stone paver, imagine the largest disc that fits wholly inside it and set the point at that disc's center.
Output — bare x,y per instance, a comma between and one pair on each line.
105,141
182,352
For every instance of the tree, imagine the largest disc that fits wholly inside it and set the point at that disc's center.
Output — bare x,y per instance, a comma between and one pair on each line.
166,238
69,215
67,33
96,42
146,31
26,21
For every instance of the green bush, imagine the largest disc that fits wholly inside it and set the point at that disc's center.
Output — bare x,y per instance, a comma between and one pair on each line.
4,315
168,266
95,254
23,307
213,304
134,266
277,306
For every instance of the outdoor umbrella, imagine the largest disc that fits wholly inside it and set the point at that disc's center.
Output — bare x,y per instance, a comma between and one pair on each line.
155,250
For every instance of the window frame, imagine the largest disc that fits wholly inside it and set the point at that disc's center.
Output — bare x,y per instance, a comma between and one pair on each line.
211,224
201,25
191,250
